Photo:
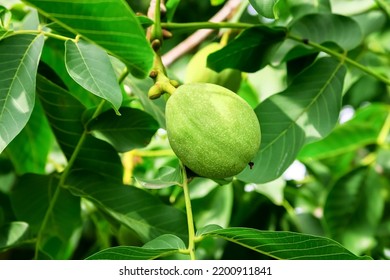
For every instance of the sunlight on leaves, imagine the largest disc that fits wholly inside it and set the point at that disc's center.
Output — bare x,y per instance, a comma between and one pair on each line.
306,111
111,24
13,233
19,56
91,68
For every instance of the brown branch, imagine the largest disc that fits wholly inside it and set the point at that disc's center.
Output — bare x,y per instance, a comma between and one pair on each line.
197,37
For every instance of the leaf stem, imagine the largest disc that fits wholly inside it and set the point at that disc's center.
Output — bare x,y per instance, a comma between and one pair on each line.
341,57
190,219
39,32
49,210
123,75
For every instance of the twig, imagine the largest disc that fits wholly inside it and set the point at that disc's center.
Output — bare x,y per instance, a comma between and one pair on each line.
197,37
341,57
151,13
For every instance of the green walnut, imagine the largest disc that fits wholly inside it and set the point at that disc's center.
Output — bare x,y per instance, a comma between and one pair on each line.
212,130
198,72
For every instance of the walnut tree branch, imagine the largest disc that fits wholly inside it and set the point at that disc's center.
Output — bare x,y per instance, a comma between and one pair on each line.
197,37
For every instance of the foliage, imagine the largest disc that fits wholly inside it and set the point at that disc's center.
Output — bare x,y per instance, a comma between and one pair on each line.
86,170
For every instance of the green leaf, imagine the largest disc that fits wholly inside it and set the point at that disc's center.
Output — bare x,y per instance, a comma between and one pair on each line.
64,114
133,129
12,234
343,139
166,241
5,18
111,24
299,63
354,208
370,22
131,253
30,20
362,130
374,114
166,177
306,111
365,89
171,6
214,208
30,148
201,187
384,5
91,68
248,93
145,21
264,7
353,7
249,52
164,245
321,28
156,108
274,190
19,56
207,229
30,200
298,8
130,206
53,56
285,245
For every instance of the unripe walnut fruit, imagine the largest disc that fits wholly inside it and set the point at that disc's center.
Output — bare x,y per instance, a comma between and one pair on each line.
213,131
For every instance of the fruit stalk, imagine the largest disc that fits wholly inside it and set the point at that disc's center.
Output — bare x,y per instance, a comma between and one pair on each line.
190,219
162,84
